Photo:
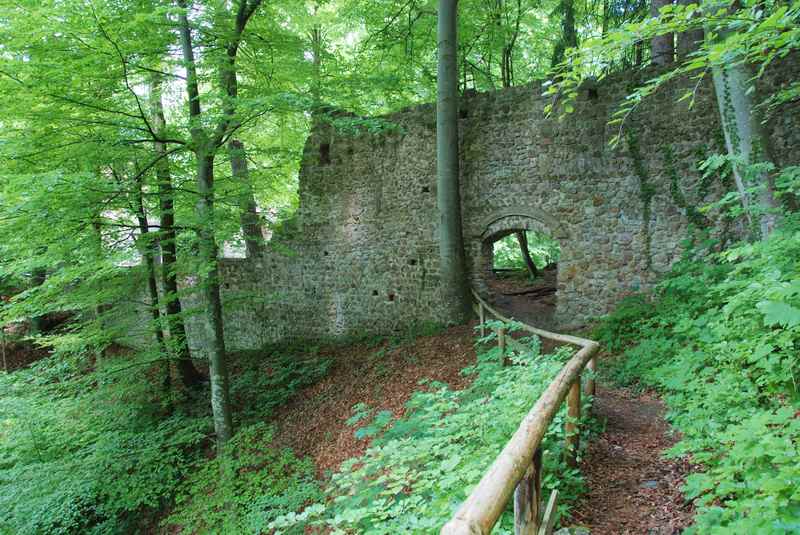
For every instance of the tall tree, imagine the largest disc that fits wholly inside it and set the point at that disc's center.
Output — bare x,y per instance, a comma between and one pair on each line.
662,46
248,209
522,241
746,139
178,342
205,145
448,196
147,247
569,34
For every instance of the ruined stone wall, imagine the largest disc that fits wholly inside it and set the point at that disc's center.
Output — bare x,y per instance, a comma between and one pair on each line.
363,255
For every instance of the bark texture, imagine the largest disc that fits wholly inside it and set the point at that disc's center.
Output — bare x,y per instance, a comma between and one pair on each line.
448,197
205,149
248,216
689,41
746,139
522,240
662,47
173,311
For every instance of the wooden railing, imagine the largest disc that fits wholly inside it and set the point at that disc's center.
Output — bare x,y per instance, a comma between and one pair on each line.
517,470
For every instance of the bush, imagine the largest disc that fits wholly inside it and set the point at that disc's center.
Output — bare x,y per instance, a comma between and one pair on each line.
75,459
245,487
419,468
721,341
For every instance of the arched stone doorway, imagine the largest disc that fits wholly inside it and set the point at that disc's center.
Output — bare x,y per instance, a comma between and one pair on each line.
535,300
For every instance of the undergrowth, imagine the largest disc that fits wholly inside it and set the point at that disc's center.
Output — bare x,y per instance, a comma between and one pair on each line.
720,339
94,445
420,467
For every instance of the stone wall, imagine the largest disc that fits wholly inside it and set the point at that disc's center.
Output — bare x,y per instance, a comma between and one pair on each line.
363,255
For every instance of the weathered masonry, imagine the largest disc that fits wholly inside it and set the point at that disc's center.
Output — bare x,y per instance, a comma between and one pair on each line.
362,256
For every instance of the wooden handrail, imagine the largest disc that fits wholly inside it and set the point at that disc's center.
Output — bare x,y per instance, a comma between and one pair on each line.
484,506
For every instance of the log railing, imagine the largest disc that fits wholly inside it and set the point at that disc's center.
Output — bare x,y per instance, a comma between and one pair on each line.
517,470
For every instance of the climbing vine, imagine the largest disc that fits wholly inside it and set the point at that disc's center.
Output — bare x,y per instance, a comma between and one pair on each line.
692,213
646,193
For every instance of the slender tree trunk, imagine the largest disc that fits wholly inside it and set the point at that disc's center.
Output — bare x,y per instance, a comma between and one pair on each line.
147,247
316,51
522,240
248,217
689,41
178,341
448,198
746,139
569,35
204,154
220,390
662,47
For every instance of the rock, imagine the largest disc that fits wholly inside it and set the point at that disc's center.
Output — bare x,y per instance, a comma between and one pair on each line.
573,530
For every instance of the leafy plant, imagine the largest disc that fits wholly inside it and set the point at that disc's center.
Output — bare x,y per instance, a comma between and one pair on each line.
720,341
244,487
420,467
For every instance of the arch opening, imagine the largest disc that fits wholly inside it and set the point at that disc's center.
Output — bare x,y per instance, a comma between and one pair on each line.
517,267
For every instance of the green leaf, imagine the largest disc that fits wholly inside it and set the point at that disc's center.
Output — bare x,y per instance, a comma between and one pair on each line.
778,313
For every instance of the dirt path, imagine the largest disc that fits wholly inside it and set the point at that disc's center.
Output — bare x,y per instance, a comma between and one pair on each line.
632,488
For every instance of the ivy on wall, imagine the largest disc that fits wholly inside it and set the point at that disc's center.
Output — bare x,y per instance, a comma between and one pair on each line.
646,193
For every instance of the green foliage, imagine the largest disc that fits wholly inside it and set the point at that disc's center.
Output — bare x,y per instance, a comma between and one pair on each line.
267,379
720,340
87,451
755,32
544,251
243,488
418,468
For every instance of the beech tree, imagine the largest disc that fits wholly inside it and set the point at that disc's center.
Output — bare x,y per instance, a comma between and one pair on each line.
448,196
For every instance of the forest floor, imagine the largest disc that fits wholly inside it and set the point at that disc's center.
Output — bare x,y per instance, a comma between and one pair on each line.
632,488
383,376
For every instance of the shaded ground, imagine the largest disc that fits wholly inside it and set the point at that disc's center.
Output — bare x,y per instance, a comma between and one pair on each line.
313,423
532,308
632,488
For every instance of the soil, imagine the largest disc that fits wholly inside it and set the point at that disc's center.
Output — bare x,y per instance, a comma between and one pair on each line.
632,488
18,354
383,376
534,310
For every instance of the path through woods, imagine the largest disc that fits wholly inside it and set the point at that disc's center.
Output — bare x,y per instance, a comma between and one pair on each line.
632,488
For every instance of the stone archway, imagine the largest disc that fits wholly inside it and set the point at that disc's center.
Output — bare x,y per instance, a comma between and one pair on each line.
501,224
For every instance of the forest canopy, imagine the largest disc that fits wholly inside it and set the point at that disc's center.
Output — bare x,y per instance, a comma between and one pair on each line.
144,140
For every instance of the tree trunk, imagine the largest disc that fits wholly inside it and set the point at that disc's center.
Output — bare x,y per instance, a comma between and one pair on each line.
248,217
662,47
215,339
204,154
746,138
522,239
178,342
147,248
569,36
448,198
688,41
316,51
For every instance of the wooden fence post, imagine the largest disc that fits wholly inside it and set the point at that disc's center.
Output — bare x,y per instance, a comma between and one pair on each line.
571,426
501,342
527,498
590,384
